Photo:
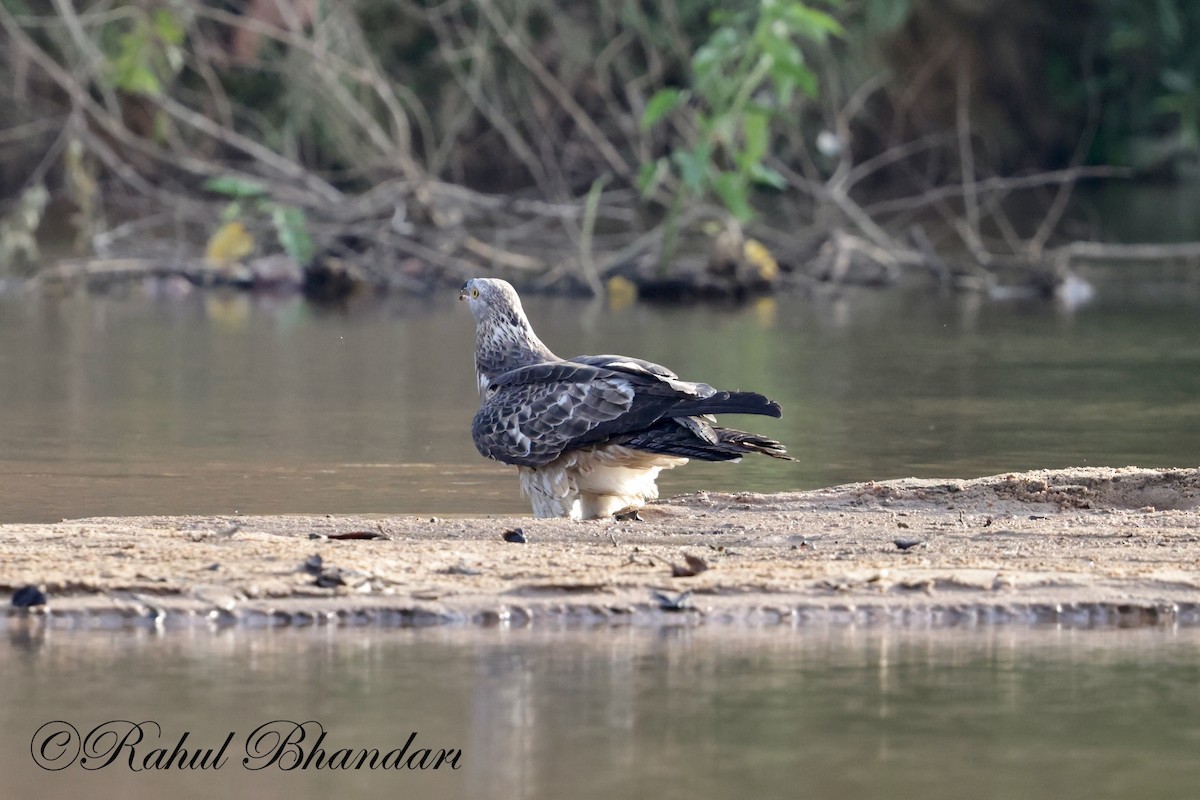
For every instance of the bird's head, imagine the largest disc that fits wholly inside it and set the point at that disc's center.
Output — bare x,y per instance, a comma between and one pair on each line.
504,339
493,298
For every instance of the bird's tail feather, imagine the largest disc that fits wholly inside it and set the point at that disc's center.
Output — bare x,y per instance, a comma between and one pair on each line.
730,403
675,438
752,443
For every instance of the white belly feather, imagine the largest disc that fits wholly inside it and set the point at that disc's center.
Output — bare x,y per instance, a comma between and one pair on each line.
587,484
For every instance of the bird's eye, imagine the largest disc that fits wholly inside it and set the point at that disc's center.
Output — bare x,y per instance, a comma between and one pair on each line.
474,293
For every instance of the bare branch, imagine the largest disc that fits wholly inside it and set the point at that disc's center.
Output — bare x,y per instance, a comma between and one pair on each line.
1036,180
513,42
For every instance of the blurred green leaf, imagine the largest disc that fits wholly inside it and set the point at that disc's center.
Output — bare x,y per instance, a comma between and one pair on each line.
762,174
136,79
743,76
810,22
235,186
143,51
731,189
167,27
755,126
693,167
231,212
884,16
651,175
662,103
291,226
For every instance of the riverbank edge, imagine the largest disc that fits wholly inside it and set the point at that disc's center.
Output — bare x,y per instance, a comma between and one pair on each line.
1080,548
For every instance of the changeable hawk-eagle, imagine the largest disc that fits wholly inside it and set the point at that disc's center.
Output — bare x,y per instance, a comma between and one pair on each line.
590,434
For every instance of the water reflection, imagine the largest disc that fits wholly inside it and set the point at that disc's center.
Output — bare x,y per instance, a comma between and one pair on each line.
832,713
209,403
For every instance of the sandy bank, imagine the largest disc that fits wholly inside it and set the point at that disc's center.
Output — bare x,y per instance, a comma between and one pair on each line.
1077,547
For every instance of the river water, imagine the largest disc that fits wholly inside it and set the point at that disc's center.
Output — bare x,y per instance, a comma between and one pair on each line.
669,713
222,404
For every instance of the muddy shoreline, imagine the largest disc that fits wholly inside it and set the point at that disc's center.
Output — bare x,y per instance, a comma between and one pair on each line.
1077,547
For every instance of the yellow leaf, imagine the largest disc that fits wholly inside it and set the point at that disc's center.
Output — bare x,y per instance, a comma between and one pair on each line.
230,243
757,254
621,292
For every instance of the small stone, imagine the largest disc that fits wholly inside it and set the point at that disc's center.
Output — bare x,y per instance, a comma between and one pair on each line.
461,569
221,598
679,603
28,596
907,544
514,536
695,565
330,578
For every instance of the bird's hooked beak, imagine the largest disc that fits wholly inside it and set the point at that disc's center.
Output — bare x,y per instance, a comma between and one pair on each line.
462,293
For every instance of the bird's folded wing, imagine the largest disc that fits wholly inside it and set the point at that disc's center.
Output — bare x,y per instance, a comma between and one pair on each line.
548,373
535,413
626,364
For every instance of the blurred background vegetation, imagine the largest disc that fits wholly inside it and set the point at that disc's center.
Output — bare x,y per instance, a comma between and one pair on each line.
682,146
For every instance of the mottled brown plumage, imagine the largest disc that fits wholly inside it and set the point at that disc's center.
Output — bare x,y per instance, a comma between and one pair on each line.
590,434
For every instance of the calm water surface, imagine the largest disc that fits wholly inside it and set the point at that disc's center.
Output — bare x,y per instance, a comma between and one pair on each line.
675,713
224,404
217,405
